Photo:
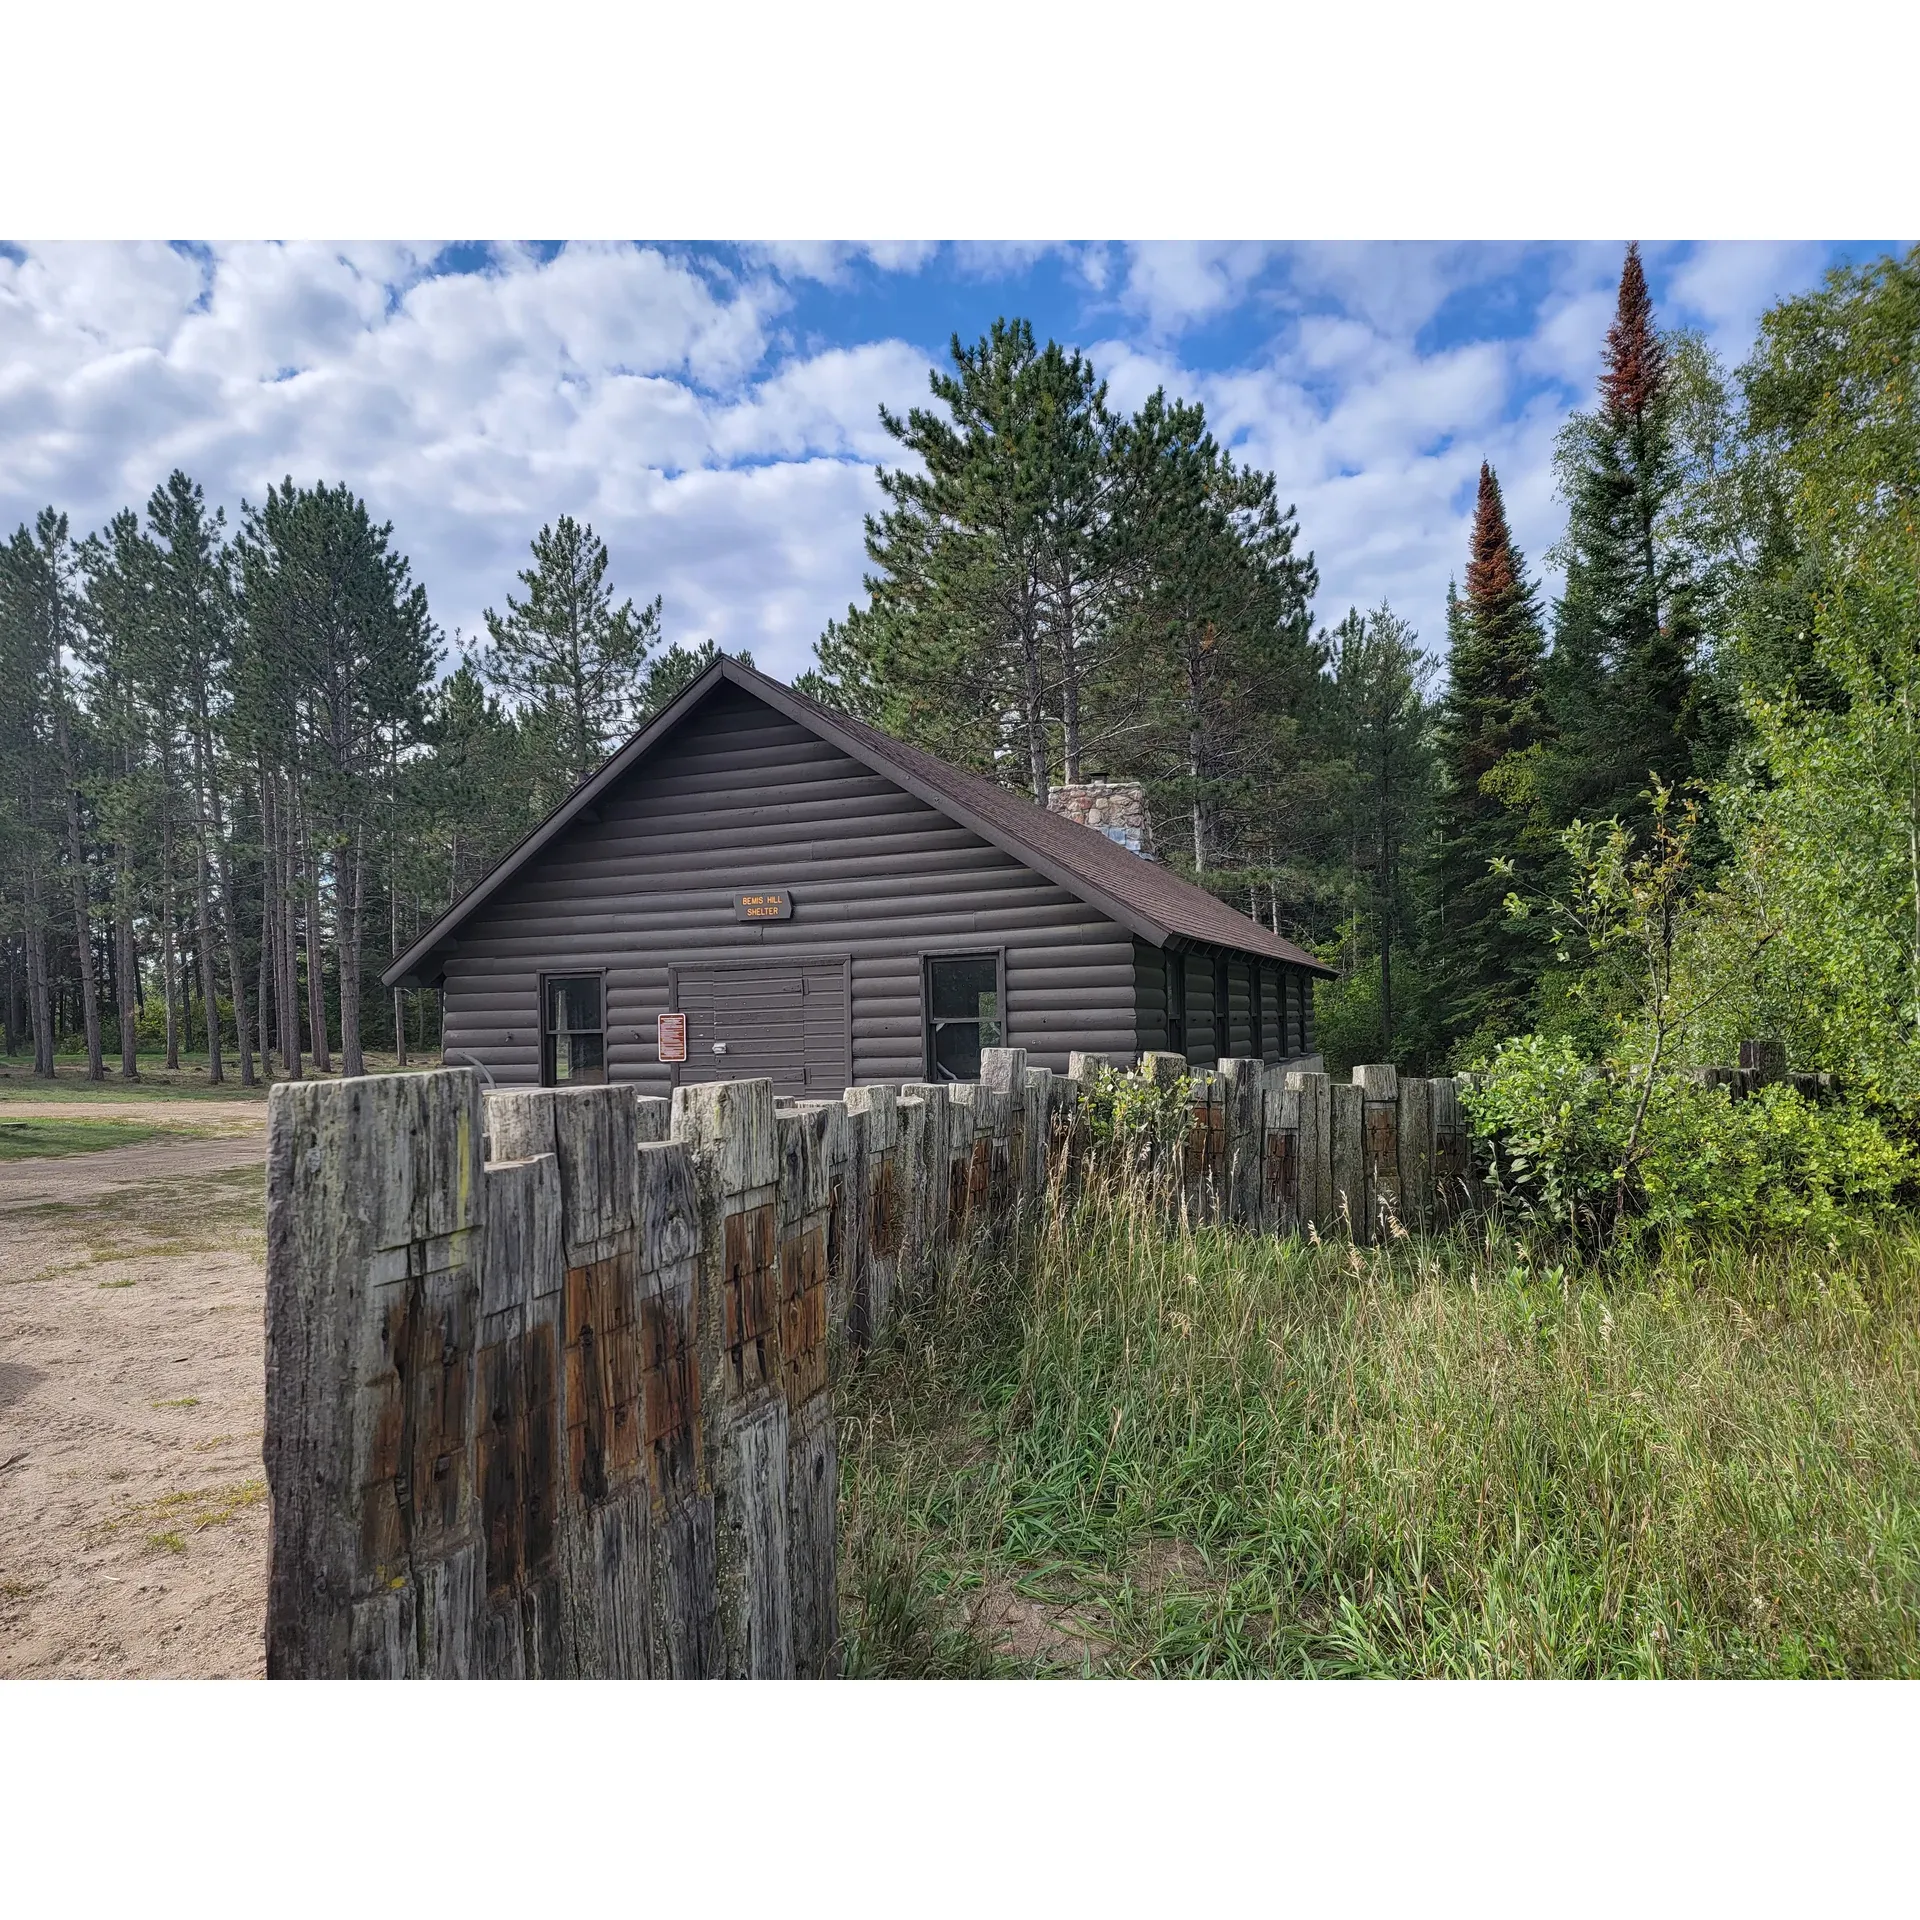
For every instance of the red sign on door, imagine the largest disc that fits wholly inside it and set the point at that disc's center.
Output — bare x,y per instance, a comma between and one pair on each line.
673,1038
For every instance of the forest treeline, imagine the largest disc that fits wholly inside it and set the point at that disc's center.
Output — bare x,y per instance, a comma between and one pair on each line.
1059,590
235,782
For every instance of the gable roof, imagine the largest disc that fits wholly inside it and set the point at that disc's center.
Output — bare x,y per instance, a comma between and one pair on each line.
1138,893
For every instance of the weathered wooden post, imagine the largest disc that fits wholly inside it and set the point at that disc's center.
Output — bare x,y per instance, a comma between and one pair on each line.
1280,1196
1452,1156
652,1118
1347,1153
846,1220
970,1167
1416,1153
812,1459
375,1244
880,1200
1380,1117
728,1127
1317,1209
933,1180
1240,1092
604,1504
685,1629
520,1456
1037,1130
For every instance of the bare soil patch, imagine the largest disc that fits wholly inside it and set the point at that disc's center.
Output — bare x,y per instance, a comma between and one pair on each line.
132,1500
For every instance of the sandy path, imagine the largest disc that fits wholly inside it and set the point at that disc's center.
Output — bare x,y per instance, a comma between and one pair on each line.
132,1504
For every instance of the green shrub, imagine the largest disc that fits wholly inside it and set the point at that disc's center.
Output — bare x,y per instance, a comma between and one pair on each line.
1133,1113
1557,1136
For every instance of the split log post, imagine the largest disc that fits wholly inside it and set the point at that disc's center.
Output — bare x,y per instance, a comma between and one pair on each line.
685,1631
1317,1209
846,1222
965,1168
652,1118
603,1530
1452,1167
932,1180
1037,1124
373,1296
879,1199
1766,1060
910,1153
520,1462
728,1126
1240,1093
1380,1117
1348,1157
1416,1153
812,1460
1280,1195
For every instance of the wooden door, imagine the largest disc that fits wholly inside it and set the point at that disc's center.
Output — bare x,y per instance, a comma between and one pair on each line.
778,1020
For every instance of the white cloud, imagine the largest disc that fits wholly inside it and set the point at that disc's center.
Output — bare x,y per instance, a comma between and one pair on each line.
659,395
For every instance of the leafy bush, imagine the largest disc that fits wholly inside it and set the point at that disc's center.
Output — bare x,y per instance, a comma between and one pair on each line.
1134,1114
1561,1143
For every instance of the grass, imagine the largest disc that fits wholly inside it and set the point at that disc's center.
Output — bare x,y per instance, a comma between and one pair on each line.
157,1081
1129,1449
207,1213
193,1510
38,1139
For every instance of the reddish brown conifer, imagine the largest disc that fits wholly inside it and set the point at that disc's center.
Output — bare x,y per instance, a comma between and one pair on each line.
1490,573
1636,362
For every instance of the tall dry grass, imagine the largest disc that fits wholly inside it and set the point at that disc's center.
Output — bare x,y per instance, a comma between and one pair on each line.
1131,1446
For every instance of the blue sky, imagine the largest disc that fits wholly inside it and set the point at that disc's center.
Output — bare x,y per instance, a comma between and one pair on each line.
713,409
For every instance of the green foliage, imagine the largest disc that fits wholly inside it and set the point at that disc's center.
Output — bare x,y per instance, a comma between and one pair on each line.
1490,730
566,653
1562,1137
1130,1113
1815,931
1144,1450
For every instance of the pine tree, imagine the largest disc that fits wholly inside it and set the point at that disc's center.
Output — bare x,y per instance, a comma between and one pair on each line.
984,637
567,652
1490,728
1379,679
1620,680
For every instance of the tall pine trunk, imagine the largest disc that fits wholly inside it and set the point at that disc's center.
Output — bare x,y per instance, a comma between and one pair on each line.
286,951
209,976
316,949
347,894
82,914
127,979
39,998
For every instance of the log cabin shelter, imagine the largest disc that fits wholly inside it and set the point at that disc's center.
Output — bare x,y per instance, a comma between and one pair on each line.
811,901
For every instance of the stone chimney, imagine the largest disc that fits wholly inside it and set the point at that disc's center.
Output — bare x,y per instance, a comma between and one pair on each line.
1117,808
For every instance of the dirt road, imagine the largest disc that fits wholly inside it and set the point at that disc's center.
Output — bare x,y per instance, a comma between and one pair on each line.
132,1503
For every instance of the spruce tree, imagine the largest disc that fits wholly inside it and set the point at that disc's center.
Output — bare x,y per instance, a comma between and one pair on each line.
1491,725
1620,681
567,652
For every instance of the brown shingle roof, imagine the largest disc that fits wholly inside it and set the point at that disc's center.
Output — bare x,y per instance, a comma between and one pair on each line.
1141,895
1158,895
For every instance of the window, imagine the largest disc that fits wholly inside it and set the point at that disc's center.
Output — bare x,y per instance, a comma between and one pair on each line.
1176,965
1256,1011
573,1042
963,1013
1222,1021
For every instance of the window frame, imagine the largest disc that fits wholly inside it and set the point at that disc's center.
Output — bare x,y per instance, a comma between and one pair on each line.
1222,1007
1176,990
928,957
549,1076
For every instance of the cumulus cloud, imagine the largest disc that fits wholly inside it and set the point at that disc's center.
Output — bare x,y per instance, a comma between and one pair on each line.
472,394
